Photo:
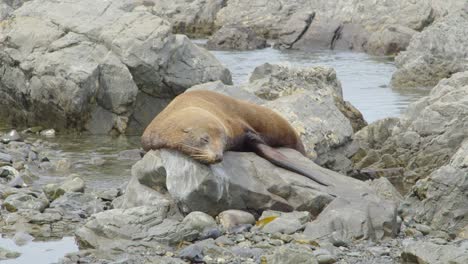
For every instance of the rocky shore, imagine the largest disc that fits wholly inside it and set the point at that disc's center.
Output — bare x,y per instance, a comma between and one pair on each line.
397,187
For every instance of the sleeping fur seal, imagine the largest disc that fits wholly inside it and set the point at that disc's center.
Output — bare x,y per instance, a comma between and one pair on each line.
204,124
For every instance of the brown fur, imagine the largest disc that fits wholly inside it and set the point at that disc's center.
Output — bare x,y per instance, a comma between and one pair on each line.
224,120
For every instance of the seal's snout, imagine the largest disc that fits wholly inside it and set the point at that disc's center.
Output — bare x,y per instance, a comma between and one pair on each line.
218,157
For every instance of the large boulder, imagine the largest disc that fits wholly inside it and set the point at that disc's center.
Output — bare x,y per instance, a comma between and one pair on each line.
267,18
440,200
422,140
436,53
246,181
95,66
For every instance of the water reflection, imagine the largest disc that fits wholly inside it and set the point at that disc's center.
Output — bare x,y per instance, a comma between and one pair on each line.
40,252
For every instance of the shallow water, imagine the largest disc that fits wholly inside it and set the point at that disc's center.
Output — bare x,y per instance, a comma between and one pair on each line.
40,252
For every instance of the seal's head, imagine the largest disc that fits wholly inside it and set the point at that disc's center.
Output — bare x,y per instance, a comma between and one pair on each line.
202,136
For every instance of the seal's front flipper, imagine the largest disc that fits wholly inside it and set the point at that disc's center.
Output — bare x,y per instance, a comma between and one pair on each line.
280,160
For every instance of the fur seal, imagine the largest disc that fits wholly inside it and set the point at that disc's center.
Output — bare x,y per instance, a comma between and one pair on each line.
204,124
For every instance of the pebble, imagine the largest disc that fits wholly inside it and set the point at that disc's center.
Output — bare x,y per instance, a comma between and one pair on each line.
48,133
326,259
22,238
224,241
13,135
424,229
276,242
379,251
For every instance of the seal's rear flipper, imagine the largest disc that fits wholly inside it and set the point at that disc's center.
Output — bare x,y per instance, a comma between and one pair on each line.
280,160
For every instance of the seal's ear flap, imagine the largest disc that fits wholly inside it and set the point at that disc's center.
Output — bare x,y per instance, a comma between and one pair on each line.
187,129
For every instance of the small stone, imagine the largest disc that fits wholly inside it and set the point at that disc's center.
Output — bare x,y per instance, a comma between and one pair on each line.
239,238
231,218
73,184
48,133
424,229
210,232
263,244
8,254
52,191
22,238
326,259
379,251
224,241
245,244
412,232
62,165
198,221
354,254
257,238
276,242
240,229
109,194
439,241
98,161
169,254
13,135
5,157
19,165
19,201
338,241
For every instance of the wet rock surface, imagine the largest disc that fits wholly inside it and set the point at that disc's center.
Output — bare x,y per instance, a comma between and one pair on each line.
110,61
235,38
422,140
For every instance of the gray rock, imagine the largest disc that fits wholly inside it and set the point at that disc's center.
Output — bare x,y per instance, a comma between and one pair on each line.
445,193
74,183
24,201
268,19
13,135
194,18
22,238
82,204
427,252
343,24
110,60
271,81
235,38
422,140
4,157
8,254
436,53
246,181
291,254
325,259
48,133
198,221
231,218
287,223
148,226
